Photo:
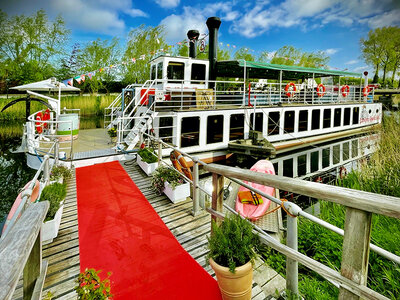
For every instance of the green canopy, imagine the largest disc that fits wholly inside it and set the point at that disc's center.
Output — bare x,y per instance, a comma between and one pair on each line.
234,68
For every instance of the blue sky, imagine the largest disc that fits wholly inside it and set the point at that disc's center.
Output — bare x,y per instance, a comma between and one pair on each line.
333,26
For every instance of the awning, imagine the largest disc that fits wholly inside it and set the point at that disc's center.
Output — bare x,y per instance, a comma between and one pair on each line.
234,68
48,85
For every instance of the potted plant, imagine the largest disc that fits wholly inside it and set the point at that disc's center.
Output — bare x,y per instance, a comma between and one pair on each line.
55,194
91,286
60,173
170,182
112,132
233,247
147,160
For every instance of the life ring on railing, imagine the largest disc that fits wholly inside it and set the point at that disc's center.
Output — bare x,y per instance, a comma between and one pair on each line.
39,123
320,92
290,89
180,164
46,117
345,90
342,172
366,91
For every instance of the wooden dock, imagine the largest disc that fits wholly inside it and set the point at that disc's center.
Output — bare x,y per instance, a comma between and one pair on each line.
63,253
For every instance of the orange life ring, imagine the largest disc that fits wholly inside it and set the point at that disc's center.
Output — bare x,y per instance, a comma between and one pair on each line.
39,123
290,89
345,90
366,91
46,117
319,92
342,172
179,163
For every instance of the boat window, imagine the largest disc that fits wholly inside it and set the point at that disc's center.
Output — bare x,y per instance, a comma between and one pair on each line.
175,72
302,165
215,129
338,117
259,121
166,129
276,168
153,72
346,151
326,157
236,130
303,120
198,73
273,123
289,121
314,161
315,119
346,117
327,118
356,111
354,148
190,131
159,70
288,167
336,154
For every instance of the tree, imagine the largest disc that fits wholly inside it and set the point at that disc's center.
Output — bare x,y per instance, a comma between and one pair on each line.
29,45
243,53
69,65
222,54
291,56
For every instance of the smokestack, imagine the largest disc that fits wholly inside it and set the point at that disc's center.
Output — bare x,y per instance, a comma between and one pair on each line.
213,24
193,36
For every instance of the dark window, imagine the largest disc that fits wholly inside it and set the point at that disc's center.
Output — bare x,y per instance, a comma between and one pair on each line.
289,121
301,165
276,167
165,131
198,73
153,72
315,122
336,154
338,117
314,161
288,167
327,118
175,71
356,111
303,120
190,131
346,151
259,121
273,123
354,148
346,117
215,129
326,157
236,130
159,70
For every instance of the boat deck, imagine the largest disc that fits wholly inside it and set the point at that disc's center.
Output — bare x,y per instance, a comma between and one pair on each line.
191,232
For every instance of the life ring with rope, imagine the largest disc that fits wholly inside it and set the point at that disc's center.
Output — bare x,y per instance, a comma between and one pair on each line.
342,172
46,117
39,123
321,89
290,89
366,91
345,90
180,164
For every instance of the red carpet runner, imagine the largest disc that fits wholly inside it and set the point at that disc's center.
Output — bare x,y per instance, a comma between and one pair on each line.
119,231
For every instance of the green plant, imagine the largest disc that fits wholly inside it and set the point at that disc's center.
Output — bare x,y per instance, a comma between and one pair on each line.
92,287
112,132
60,172
147,155
54,193
233,243
49,295
163,174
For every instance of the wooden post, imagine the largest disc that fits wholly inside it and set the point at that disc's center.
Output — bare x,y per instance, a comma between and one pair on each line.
159,153
195,188
217,195
292,265
357,235
32,268
46,171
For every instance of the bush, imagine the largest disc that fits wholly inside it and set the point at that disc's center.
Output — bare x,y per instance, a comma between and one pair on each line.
54,193
147,155
91,287
60,172
163,174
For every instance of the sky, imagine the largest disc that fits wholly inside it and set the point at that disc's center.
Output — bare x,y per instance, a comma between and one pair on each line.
332,26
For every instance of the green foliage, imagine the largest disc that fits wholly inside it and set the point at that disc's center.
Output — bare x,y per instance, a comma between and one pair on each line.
147,155
291,56
233,243
60,171
243,53
92,287
54,193
163,174
112,132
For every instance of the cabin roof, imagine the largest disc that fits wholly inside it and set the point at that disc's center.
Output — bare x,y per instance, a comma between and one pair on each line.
234,68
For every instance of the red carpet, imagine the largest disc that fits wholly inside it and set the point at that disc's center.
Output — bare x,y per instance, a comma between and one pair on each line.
119,231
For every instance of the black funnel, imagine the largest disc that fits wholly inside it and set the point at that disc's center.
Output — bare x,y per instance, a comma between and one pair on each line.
213,24
193,36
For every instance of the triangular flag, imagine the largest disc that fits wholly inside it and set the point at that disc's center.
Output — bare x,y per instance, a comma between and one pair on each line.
83,77
142,57
90,75
68,81
134,60
78,79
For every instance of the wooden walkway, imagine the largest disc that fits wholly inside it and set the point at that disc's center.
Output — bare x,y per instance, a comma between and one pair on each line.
191,232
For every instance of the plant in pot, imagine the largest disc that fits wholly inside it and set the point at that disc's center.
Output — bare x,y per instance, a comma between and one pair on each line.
170,182
233,247
55,194
60,174
91,286
112,132
147,160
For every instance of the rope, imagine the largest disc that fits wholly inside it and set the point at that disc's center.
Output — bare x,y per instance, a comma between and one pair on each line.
280,206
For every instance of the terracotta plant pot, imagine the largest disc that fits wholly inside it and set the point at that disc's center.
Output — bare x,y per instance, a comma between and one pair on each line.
234,285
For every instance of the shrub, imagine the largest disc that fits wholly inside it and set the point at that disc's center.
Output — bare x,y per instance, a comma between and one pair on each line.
163,174
54,193
92,287
112,132
147,155
60,172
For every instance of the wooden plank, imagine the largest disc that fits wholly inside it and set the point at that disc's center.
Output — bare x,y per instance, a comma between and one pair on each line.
37,292
32,268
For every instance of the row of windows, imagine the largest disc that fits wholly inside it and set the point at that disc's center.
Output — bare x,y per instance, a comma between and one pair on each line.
176,72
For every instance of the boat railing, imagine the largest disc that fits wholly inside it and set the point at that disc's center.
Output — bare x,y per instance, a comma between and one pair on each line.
360,206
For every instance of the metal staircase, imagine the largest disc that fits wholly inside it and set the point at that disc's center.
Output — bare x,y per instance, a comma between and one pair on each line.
114,110
142,124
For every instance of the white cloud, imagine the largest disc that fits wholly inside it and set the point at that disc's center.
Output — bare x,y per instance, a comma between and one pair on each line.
385,19
133,12
360,69
331,51
352,62
168,3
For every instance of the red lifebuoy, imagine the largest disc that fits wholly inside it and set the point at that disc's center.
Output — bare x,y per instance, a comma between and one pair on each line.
345,90
321,90
46,117
342,172
290,89
179,162
366,91
39,123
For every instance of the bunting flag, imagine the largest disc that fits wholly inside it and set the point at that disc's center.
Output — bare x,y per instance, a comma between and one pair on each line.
68,81
134,60
83,77
78,79
142,57
90,75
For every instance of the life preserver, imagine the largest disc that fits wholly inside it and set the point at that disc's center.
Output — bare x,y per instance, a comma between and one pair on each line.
46,117
39,123
345,90
290,89
179,163
319,92
366,91
342,172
